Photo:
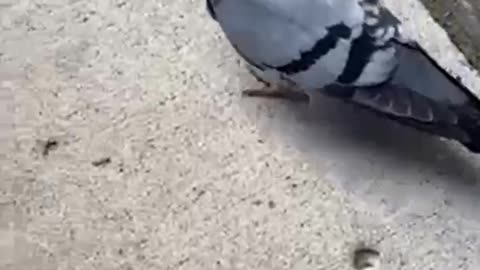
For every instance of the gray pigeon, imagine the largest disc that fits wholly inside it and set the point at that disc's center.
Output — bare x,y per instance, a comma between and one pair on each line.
353,50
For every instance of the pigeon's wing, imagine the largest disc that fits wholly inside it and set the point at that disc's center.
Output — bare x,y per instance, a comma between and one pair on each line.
422,95
290,36
397,101
417,88
456,122
373,57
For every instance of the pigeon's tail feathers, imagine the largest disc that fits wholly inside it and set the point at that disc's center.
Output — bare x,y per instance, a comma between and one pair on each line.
469,122
407,106
421,74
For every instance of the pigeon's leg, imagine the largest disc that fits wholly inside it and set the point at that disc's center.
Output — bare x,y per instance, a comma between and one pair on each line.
274,91
277,92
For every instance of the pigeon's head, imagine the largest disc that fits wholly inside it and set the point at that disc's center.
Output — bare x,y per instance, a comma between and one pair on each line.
211,4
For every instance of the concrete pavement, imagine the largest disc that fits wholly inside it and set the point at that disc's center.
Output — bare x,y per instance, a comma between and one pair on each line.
134,150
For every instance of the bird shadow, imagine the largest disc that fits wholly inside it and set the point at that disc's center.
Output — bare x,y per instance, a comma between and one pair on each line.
372,158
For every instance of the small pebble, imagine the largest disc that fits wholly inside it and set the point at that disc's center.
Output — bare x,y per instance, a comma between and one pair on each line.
366,259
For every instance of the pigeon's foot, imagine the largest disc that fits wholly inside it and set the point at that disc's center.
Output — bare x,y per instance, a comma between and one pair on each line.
290,95
259,78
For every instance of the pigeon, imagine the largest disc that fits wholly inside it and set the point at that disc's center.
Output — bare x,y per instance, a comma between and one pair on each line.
353,50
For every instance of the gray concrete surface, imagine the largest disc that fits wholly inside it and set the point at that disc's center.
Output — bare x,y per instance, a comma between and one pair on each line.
133,150
460,19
